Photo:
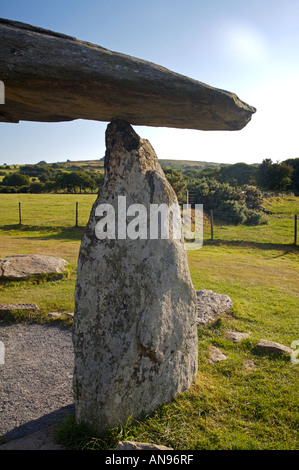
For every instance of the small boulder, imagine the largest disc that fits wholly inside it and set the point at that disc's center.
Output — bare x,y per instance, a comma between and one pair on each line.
236,336
216,355
20,267
211,305
271,347
8,308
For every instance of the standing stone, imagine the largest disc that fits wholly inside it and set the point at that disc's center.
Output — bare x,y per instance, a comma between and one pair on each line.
135,334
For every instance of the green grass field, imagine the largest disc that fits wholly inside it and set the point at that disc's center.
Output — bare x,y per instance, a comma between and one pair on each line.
44,210
230,406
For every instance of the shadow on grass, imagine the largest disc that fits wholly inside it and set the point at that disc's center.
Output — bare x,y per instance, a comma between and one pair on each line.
52,232
45,232
285,248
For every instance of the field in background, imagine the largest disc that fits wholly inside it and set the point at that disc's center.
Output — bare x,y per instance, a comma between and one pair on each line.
230,406
56,212
45,210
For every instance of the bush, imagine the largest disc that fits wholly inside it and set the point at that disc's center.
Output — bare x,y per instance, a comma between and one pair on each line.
253,197
254,217
232,212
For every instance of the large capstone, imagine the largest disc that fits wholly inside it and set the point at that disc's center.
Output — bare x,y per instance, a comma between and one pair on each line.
135,334
52,77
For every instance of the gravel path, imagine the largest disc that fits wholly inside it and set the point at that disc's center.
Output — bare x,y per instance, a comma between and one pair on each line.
35,378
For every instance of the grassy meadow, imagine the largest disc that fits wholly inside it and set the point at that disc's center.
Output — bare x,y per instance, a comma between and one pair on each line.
249,401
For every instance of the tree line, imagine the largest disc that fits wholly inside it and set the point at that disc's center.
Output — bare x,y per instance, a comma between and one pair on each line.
47,178
233,192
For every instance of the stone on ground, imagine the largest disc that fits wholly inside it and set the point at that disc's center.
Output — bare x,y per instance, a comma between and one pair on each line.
135,333
129,445
236,336
272,347
210,306
9,308
215,355
18,267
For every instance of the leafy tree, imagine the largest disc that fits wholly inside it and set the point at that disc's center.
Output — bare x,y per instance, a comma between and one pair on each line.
294,163
73,181
44,178
49,186
37,187
214,173
274,176
84,181
15,179
238,174
65,181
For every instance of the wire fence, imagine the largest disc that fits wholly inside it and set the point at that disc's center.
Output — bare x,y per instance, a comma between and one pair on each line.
45,210
49,216
49,210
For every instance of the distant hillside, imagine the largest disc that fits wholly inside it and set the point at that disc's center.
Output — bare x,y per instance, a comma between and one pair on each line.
83,164
174,164
97,166
188,164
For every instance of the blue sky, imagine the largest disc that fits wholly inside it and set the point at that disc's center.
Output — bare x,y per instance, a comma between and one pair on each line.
246,47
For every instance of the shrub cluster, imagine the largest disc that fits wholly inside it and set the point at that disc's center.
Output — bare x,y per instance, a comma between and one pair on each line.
231,204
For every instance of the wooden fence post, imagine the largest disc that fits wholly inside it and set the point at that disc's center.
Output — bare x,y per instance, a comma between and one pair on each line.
295,229
77,212
212,225
20,214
